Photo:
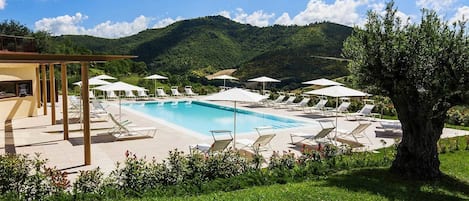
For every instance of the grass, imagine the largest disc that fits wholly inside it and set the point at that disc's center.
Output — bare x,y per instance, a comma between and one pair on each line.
361,184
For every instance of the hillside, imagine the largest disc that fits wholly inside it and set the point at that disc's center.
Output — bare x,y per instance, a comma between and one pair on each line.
205,45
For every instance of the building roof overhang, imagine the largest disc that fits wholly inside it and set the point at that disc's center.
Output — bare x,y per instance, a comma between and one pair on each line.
26,57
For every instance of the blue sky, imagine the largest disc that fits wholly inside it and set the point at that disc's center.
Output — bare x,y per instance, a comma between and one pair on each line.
119,18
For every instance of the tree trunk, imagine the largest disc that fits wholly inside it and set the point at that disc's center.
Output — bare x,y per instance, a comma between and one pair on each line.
417,154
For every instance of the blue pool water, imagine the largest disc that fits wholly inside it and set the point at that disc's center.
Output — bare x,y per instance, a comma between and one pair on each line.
202,117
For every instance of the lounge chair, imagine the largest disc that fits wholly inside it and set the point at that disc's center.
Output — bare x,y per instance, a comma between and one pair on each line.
289,101
174,91
111,95
130,94
319,107
364,112
142,94
189,92
390,125
279,99
218,145
357,132
322,134
91,95
341,109
98,108
160,92
124,130
389,129
74,103
266,134
300,105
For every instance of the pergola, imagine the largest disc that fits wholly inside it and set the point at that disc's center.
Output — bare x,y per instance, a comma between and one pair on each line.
42,60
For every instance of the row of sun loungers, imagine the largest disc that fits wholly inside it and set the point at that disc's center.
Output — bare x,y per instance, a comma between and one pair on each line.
121,129
175,92
320,107
110,95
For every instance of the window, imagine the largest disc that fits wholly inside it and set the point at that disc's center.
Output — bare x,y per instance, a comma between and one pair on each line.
20,88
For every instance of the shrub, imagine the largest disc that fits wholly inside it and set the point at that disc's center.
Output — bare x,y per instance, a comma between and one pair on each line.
89,181
29,179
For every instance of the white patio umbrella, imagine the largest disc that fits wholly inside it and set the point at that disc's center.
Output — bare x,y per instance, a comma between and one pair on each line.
119,87
155,77
337,92
224,78
93,82
263,79
104,77
235,95
322,82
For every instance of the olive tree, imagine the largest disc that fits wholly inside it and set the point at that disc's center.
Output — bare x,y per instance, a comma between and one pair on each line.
423,68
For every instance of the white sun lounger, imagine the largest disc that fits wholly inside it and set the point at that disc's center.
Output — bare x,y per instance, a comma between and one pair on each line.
357,132
300,105
142,94
218,145
130,94
341,109
289,101
174,91
188,91
319,107
266,134
111,95
160,92
123,130
320,135
364,112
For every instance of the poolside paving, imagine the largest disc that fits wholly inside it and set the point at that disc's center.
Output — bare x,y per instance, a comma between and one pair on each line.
37,135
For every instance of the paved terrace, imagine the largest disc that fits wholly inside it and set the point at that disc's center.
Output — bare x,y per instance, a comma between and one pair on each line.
36,135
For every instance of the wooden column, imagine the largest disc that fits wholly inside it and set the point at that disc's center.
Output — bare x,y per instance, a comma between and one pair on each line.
63,70
44,89
86,112
52,93
38,88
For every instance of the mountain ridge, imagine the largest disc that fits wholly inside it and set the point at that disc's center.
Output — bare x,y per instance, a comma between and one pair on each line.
207,44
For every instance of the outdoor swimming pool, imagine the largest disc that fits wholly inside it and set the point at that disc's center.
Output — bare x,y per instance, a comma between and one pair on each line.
202,117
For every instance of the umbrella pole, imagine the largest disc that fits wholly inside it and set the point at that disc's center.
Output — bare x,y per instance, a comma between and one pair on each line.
120,112
154,91
263,88
224,82
234,127
336,117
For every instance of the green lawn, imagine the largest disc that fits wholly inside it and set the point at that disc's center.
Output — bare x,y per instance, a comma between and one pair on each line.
361,184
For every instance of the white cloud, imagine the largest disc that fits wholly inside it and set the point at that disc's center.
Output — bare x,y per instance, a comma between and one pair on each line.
257,18
380,9
284,19
66,24
461,14
167,21
341,11
62,24
119,29
3,3
225,13
437,5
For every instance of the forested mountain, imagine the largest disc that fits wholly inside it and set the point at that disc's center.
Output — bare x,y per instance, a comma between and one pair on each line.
202,46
